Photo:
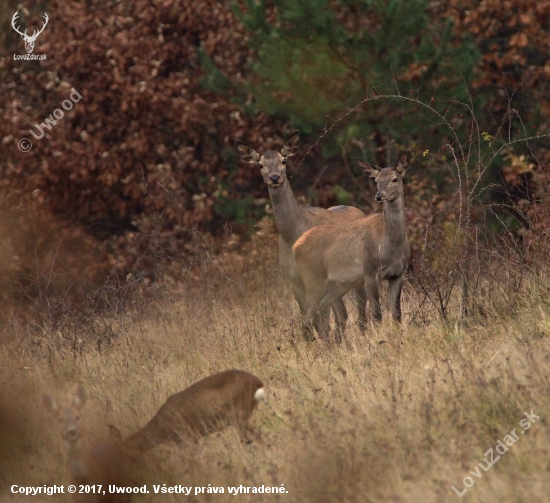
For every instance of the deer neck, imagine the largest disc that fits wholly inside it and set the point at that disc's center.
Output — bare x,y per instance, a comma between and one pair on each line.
287,212
73,448
395,224
75,458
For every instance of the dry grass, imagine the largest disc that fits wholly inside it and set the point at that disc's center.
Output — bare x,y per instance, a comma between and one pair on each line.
399,415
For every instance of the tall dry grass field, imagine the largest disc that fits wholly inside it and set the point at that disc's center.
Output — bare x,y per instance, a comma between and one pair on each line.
399,414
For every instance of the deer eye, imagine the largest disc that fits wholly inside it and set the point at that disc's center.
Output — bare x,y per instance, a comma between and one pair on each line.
394,180
284,161
260,165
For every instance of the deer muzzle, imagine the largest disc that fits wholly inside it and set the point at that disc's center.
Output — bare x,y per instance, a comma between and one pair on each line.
275,179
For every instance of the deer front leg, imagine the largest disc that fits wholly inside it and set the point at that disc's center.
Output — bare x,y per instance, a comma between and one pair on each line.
395,285
371,287
301,299
321,322
340,317
331,295
318,313
314,318
361,299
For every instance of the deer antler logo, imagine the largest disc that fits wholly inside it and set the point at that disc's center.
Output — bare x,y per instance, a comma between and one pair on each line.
29,39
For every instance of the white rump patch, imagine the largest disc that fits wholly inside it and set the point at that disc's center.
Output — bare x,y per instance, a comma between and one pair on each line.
259,395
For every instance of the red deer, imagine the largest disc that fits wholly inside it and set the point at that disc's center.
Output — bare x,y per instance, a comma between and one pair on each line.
332,259
209,405
102,464
292,220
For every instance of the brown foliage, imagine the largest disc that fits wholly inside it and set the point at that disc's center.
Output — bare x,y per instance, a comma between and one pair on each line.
513,36
141,159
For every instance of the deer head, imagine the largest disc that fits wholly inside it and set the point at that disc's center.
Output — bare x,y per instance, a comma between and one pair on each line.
29,39
388,180
272,163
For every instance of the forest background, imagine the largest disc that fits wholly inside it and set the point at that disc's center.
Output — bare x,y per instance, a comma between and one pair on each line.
141,179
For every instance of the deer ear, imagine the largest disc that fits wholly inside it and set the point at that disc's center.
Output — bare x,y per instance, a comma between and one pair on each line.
370,170
114,434
49,403
291,145
247,153
402,163
79,397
